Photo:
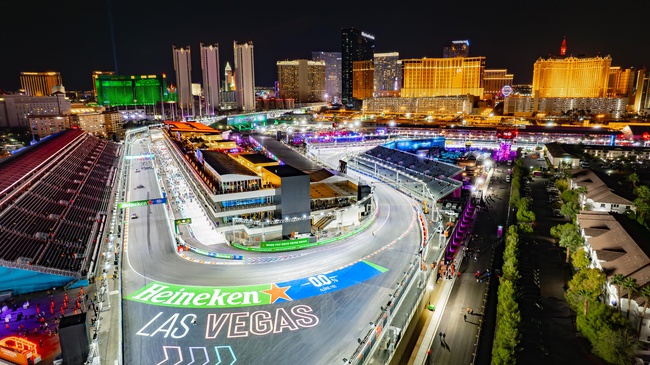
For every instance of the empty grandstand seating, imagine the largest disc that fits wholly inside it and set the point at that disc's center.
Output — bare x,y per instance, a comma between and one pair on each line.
438,175
52,221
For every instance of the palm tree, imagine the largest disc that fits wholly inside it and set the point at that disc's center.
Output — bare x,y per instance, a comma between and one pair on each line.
617,280
645,293
633,178
632,287
571,242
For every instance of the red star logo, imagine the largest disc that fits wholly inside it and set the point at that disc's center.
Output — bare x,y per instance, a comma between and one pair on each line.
276,293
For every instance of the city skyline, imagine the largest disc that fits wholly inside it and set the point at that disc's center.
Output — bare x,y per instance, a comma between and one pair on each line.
76,39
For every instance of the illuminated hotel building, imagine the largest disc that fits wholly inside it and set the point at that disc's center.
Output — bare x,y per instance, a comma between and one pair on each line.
130,90
45,125
571,77
429,105
15,110
211,79
642,96
387,74
528,106
95,75
245,76
426,77
332,73
456,49
621,83
97,121
494,81
39,83
355,46
228,94
302,80
363,76
229,82
183,68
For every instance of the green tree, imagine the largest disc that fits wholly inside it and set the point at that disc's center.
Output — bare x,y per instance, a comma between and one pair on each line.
633,178
617,346
610,335
507,335
525,216
561,184
570,209
569,196
585,287
618,280
568,237
642,202
525,227
632,287
580,260
645,293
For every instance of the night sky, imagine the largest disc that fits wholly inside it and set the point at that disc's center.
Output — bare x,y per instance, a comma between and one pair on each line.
74,37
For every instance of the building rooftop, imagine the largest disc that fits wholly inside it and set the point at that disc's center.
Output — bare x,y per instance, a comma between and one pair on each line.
619,244
255,158
15,168
186,127
292,158
284,171
224,164
598,190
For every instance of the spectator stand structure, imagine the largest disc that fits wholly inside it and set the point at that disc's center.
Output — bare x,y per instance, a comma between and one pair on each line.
53,203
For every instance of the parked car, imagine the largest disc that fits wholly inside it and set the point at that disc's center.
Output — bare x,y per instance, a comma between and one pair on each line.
134,216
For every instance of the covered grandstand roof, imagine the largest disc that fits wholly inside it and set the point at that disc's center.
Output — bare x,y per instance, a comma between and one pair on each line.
19,166
186,127
292,158
284,170
224,165
255,158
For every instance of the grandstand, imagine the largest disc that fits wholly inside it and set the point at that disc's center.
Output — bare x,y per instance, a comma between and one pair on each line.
54,198
437,175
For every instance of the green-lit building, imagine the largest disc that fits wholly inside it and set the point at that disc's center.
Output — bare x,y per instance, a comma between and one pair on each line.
132,90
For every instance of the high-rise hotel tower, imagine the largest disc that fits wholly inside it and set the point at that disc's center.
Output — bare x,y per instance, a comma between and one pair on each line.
211,79
355,46
571,77
39,83
429,77
183,68
332,74
245,75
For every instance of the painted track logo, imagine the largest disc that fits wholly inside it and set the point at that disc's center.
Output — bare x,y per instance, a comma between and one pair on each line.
184,296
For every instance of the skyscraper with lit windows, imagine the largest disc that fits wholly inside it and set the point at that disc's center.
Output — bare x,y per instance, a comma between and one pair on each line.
363,79
427,77
332,74
301,80
183,68
211,79
571,77
355,46
388,74
39,83
456,49
494,80
245,75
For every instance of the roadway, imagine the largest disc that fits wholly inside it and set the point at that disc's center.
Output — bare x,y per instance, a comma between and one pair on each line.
469,341
339,293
